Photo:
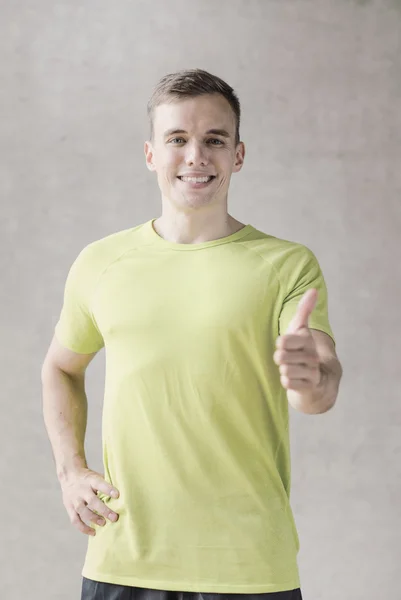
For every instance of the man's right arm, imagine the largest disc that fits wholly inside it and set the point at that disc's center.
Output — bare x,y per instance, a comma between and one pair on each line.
65,406
65,409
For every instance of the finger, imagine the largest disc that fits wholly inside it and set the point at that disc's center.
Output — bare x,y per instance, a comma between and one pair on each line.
303,312
101,485
297,341
298,385
300,372
88,516
77,522
295,357
95,504
86,509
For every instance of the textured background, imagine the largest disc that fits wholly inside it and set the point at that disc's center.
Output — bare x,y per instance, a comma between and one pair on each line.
320,87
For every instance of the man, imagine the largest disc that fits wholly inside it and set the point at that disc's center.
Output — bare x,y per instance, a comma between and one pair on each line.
211,327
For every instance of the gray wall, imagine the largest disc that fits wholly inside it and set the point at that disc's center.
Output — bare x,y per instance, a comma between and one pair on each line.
320,85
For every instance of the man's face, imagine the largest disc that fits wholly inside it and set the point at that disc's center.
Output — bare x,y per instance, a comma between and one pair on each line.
194,138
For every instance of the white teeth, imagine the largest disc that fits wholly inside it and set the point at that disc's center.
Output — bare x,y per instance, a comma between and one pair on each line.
196,179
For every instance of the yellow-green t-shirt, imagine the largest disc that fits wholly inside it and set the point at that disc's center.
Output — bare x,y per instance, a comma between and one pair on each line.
195,420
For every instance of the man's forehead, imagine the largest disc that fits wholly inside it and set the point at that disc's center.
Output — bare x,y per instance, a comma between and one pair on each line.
200,113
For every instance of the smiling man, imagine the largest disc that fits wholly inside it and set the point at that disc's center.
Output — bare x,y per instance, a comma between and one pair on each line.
194,150
212,328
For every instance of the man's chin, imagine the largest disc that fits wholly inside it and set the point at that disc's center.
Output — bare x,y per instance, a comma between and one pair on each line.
195,199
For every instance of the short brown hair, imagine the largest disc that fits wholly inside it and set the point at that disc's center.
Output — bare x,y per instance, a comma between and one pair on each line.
190,83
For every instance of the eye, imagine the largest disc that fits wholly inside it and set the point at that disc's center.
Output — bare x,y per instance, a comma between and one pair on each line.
215,140
174,139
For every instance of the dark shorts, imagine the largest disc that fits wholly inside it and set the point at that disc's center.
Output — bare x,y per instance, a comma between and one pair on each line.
96,590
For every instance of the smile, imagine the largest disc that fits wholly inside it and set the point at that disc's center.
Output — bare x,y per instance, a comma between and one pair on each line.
196,179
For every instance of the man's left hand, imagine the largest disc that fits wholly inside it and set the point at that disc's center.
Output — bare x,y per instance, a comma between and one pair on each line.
296,353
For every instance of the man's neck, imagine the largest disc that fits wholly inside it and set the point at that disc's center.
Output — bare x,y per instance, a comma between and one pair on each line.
183,230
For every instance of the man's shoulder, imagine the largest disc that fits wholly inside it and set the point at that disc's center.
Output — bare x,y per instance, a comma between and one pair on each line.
113,243
277,249
96,255
117,239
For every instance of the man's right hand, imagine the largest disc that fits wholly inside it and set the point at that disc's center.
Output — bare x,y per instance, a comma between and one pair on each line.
81,501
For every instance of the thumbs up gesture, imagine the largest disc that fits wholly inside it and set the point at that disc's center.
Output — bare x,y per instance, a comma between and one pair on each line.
296,353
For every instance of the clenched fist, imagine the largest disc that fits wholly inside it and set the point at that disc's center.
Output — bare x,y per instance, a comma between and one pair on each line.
296,353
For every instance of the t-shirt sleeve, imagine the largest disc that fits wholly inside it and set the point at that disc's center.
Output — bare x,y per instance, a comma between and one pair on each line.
302,272
76,328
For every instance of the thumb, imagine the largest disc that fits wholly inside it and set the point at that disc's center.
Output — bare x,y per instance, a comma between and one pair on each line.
304,309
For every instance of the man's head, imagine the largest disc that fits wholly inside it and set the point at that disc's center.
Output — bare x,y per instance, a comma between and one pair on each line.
194,131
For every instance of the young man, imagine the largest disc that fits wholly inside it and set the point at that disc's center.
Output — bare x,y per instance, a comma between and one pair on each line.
211,327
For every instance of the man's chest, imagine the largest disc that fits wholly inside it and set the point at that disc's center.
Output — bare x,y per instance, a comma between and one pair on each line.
185,297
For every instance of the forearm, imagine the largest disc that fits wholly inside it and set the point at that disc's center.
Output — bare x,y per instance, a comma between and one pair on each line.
324,396
65,408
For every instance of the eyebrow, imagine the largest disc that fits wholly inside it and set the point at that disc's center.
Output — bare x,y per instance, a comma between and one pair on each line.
221,132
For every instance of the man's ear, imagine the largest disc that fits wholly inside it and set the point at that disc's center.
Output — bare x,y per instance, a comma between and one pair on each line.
239,157
149,156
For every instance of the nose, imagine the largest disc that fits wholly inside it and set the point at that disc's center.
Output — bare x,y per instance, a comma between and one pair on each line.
196,154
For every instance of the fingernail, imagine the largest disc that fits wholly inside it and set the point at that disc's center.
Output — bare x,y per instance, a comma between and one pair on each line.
100,521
